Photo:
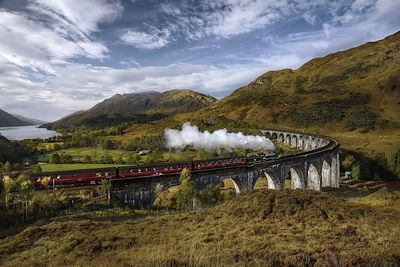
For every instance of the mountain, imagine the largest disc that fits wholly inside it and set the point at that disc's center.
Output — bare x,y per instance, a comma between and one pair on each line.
8,120
354,89
29,120
136,107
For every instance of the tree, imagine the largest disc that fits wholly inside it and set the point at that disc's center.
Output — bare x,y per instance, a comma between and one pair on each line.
185,192
108,159
133,158
119,160
155,157
363,170
348,162
87,159
106,189
37,169
108,144
158,198
8,167
25,190
211,196
55,158
8,185
66,159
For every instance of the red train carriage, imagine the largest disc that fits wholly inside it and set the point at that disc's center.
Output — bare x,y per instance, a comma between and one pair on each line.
72,178
94,176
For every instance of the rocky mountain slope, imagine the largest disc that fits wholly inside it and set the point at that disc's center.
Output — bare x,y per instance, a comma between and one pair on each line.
354,89
137,107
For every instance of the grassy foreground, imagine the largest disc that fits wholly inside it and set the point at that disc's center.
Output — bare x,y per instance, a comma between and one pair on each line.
264,228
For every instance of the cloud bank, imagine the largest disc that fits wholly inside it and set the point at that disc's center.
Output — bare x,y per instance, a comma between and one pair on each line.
57,57
219,139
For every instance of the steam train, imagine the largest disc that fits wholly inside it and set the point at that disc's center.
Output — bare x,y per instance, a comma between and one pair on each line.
95,176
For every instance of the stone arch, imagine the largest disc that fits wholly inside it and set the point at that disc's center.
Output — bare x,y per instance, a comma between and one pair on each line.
274,136
313,143
297,178
260,183
273,181
335,171
326,174
293,142
235,184
321,142
281,138
313,177
268,134
307,144
300,143
287,139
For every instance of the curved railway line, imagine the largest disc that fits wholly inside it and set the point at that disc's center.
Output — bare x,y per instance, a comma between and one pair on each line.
315,167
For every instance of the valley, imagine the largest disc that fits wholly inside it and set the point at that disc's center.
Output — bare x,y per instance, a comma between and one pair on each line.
300,167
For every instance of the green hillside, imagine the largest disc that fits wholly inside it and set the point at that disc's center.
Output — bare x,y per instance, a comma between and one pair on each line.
354,89
137,107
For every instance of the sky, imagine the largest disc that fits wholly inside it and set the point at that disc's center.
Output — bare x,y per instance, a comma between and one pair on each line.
61,56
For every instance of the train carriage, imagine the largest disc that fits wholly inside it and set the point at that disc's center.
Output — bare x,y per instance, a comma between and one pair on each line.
94,176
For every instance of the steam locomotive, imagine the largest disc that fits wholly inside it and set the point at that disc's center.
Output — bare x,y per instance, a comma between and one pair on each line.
95,176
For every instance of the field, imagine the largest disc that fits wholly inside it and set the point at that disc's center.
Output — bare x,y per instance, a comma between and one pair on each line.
70,167
264,228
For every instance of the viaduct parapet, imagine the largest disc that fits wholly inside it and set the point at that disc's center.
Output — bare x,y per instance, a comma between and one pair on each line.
316,165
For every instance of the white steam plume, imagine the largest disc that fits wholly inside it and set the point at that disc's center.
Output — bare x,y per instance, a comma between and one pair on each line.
220,139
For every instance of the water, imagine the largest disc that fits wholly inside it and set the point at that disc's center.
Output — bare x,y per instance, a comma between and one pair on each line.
26,132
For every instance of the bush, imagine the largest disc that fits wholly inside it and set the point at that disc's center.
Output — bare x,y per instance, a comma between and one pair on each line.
210,196
55,158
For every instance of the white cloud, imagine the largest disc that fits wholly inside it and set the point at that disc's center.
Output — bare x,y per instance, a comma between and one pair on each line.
227,18
39,49
53,32
154,40
79,86
76,16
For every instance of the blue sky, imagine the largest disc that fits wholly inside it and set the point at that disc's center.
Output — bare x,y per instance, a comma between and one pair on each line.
57,57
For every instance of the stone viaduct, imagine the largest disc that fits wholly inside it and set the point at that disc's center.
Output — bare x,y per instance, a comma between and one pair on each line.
316,165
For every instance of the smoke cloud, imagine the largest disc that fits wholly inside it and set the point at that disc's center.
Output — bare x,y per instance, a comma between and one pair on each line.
220,139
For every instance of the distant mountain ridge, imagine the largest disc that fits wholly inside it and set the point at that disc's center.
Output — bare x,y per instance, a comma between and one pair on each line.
8,120
30,121
136,107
